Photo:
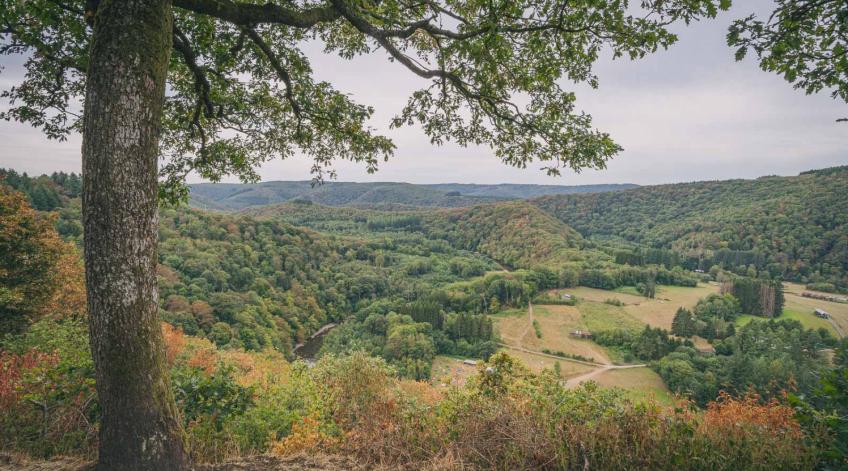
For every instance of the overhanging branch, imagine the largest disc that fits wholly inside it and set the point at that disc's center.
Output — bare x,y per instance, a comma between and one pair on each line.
247,14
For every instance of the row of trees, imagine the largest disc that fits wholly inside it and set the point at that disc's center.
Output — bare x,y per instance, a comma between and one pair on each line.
45,193
756,296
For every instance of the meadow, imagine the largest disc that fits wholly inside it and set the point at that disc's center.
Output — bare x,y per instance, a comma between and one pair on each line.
802,310
594,312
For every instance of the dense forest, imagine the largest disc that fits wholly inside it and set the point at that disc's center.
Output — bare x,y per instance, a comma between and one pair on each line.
790,227
240,290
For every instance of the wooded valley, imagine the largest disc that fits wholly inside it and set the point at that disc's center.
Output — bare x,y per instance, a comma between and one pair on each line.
690,305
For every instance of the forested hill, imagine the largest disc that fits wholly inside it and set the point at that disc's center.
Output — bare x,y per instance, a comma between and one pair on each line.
224,196
794,227
516,234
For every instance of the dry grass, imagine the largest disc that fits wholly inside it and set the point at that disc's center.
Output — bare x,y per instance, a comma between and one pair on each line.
537,363
19,462
555,322
600,295
302,462
657,312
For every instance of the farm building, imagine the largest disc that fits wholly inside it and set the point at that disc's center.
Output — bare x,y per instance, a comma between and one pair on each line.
822,313
583,334
565,296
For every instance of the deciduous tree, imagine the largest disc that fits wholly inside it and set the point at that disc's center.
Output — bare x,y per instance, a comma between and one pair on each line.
240,90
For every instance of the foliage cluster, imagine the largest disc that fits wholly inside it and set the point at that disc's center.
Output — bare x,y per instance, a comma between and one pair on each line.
712,318
237,403
769,357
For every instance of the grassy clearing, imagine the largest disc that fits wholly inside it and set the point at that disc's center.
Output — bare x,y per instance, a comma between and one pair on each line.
510,313
797,303
537,363
657,312
599,316
555,322
631,290
802,314
600,295
744,319
808,319
641,384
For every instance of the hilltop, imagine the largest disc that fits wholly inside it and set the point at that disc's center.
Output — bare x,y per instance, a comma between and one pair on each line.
231,197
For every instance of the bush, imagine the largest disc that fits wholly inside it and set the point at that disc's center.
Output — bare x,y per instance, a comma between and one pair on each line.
537,328
48,404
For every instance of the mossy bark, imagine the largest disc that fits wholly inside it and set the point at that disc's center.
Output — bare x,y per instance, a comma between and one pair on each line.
125,93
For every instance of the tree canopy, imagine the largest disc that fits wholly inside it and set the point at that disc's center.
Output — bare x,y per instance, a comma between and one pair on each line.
241,90
804,41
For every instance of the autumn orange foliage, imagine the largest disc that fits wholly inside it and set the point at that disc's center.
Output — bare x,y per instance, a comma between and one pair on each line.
40,274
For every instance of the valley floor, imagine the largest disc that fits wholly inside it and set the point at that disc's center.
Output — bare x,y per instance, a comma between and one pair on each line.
587,360
540,336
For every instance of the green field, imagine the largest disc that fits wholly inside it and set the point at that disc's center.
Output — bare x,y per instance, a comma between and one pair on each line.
656,312
806,318
601,316
555,322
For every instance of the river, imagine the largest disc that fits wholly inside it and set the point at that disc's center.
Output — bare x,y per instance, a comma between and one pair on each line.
306,351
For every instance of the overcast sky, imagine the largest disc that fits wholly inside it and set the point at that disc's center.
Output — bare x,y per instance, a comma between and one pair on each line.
689,113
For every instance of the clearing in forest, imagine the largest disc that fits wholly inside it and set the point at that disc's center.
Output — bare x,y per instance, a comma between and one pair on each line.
640,383
450,371
556,323
592,313
801,308
656,312
537,363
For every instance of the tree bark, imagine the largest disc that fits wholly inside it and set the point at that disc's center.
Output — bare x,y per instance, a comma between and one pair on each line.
125,92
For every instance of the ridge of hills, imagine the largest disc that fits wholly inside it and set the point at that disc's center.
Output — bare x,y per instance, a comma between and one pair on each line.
791,227
233,197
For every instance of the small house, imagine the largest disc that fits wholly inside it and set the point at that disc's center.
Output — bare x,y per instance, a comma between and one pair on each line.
583,334
469,362
566,296
822,313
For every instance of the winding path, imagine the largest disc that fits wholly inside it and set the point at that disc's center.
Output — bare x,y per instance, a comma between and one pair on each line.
599,368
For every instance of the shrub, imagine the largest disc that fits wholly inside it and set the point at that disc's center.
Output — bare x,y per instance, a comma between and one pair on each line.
538,328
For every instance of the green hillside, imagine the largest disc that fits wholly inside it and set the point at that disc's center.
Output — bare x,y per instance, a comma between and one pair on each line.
513,233
389,195
793,227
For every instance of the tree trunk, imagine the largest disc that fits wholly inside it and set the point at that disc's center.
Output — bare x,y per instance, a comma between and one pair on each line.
125,92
